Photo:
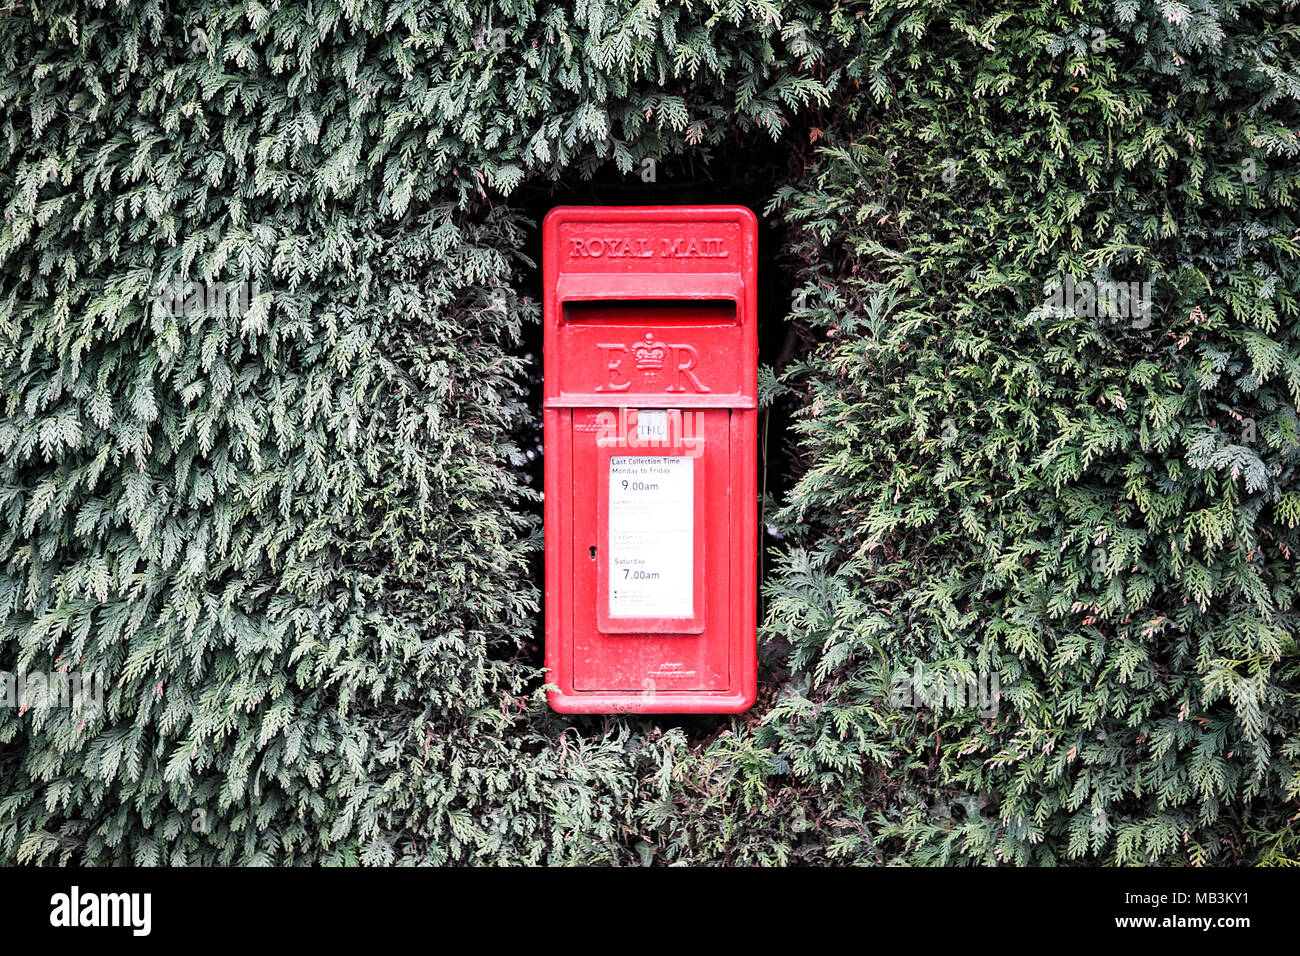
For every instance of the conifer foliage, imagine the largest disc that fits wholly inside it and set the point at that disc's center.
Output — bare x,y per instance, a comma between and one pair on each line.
1051,434
261,365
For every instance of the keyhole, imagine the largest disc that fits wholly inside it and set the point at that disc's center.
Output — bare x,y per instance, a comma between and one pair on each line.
593,552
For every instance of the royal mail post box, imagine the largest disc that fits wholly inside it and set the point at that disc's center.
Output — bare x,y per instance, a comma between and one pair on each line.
650,404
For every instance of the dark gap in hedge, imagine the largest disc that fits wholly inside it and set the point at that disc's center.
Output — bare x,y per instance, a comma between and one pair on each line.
746,170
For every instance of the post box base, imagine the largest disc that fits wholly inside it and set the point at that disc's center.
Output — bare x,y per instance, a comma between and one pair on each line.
661,703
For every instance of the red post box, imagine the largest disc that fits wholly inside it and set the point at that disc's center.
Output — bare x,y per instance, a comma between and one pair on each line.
650,406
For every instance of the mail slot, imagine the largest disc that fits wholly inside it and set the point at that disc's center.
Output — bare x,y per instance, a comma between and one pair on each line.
650,357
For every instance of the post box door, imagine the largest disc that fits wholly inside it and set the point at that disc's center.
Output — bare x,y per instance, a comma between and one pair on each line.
651,523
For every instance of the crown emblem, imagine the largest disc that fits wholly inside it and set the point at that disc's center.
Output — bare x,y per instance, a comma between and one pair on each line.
649,354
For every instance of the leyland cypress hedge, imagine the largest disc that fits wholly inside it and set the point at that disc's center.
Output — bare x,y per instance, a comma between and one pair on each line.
265,293
1095,500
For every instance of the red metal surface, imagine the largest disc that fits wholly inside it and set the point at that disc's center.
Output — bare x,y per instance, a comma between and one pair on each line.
650,308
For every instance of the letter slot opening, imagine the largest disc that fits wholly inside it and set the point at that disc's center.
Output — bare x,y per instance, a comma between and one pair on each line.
657,311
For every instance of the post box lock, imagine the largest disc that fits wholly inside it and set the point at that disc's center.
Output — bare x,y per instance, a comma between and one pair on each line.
650,355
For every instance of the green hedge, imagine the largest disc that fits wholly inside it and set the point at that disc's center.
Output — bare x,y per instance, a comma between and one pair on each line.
295,534
1100,508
